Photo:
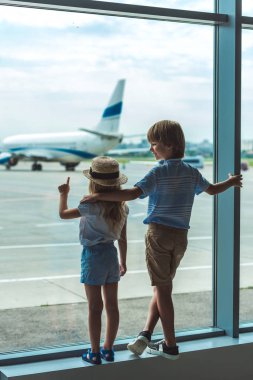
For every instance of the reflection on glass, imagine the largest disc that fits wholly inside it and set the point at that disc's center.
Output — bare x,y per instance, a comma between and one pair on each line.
246,281
56,72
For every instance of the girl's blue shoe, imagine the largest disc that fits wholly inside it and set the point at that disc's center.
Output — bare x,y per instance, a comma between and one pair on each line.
92,357
107,355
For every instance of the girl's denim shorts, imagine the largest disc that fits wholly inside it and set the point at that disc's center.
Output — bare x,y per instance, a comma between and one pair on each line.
100,264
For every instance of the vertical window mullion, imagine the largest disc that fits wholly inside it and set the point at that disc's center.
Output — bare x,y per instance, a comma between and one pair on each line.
227,148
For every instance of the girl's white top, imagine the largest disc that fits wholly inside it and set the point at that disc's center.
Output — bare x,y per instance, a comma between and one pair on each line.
93,228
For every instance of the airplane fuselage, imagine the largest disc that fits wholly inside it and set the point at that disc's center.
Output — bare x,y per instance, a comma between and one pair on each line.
63,147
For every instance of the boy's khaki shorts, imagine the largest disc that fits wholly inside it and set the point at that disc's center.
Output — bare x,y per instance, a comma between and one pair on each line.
165,247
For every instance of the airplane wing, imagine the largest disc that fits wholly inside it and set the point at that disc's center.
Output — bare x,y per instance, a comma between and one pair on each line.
128,151
136,135
106,135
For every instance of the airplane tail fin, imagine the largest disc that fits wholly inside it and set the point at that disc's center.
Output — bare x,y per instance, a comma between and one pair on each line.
110,119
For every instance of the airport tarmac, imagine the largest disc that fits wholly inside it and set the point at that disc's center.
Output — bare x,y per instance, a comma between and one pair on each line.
40,253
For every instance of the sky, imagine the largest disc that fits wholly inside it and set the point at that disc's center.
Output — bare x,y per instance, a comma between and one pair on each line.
58,69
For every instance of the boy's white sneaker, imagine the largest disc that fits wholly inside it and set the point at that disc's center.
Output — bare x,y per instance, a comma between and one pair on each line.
138,346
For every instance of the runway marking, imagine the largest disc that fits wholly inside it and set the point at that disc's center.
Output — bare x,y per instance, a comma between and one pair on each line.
69,276
43,197
195,268
57,224
137,215
28,279
38,245
52,245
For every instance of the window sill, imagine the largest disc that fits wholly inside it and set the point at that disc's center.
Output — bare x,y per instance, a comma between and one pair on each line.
74,350
206,356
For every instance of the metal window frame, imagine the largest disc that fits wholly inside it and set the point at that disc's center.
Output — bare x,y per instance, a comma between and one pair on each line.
123,10
227,136
228,23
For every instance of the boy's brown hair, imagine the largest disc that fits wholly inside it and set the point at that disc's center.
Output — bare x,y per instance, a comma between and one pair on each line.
169,133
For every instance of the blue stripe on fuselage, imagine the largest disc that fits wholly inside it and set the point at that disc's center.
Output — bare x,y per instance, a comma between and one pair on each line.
64,150
113,110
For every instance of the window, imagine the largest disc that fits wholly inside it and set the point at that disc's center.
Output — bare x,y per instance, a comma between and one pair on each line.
57,70
246,283
247,8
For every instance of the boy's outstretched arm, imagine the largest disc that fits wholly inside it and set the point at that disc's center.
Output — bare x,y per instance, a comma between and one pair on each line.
233,180
118,195
64,211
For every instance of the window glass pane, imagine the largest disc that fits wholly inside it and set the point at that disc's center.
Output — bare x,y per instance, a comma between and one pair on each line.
191,5
246,308
247,8
57,73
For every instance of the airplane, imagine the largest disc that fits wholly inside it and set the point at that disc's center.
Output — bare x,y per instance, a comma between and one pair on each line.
68,148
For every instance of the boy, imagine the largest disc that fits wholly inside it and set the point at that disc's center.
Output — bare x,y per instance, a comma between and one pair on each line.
171,187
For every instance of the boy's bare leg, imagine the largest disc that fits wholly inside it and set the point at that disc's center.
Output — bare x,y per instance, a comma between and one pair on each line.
166,312
95,302
153,313
140,343
110,292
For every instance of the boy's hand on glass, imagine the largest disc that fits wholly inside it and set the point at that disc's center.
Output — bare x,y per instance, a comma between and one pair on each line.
64,188
90,198
236,180
122,269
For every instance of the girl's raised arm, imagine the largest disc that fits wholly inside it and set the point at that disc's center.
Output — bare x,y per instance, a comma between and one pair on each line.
64,211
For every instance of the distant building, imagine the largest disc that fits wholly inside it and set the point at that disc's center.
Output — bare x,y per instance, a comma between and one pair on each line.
204,148
247,145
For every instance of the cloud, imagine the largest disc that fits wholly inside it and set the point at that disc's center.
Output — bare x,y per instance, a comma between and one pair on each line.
60,68
38,18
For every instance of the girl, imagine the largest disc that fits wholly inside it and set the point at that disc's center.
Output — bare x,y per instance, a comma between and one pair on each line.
101,224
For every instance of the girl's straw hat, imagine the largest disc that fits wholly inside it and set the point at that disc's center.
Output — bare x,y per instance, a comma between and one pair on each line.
105,171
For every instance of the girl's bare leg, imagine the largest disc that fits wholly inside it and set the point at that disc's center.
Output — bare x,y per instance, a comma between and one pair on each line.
95,302
110,292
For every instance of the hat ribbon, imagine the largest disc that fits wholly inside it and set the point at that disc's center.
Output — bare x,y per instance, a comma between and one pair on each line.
97,175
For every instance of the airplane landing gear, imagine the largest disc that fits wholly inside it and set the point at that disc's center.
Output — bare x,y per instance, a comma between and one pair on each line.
36,167
70,167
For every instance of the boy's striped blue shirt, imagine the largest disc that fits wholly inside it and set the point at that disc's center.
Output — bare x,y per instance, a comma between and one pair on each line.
171,186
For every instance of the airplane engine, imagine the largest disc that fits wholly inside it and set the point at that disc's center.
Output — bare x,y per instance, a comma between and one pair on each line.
13,161
70,166
8,160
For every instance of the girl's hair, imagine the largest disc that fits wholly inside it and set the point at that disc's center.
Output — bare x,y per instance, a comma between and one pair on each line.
113,212
169,133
